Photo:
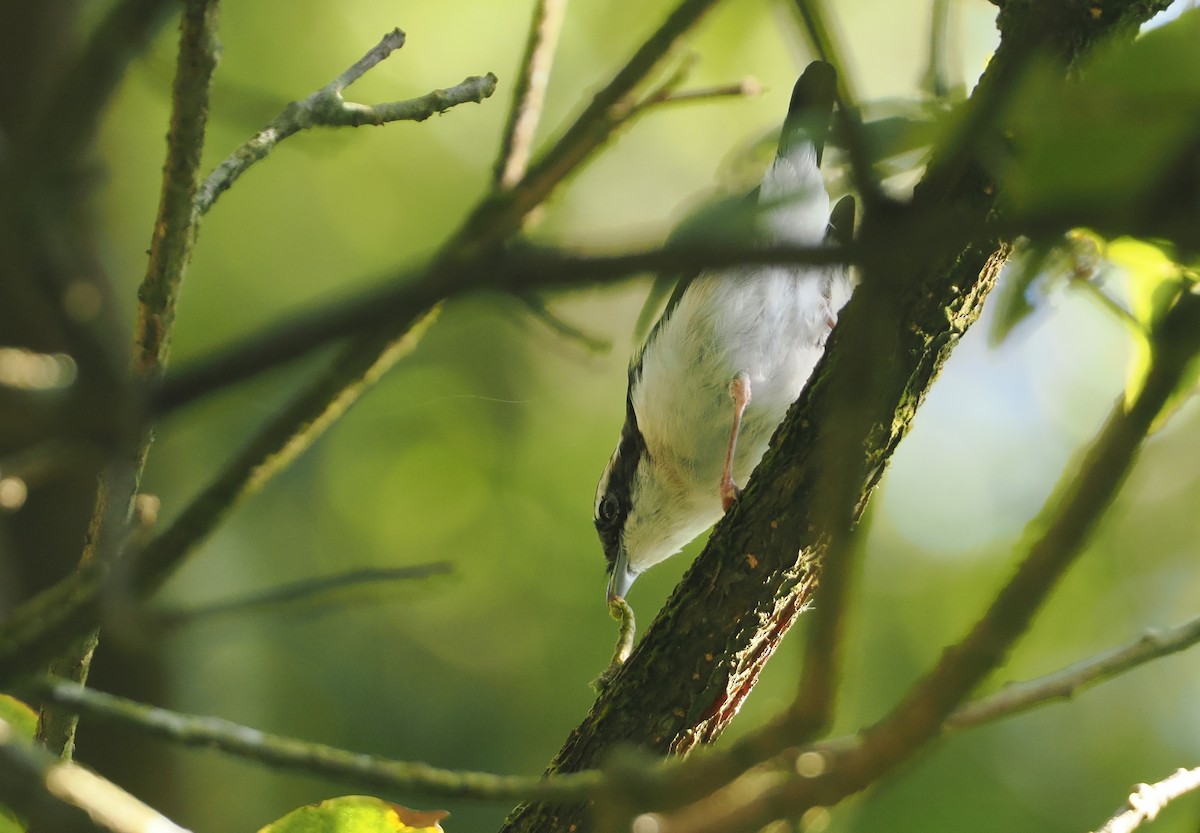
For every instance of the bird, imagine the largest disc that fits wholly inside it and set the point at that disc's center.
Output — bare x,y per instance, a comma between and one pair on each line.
730,353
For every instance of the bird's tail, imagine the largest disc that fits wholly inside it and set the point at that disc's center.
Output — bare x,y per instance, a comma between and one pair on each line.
810,111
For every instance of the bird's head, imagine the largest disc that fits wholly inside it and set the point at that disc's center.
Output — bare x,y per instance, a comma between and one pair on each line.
644,511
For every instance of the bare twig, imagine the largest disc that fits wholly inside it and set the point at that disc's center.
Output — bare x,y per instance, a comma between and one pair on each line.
327,107
62,796
1147,800
1065,683
499,216
175,227
529,92
312,758
305,590
536,307
748,87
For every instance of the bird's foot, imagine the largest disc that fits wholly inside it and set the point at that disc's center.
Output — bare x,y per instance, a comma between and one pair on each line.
729,494
739,392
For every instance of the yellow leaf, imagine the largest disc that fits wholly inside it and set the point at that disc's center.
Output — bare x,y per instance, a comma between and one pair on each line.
357,814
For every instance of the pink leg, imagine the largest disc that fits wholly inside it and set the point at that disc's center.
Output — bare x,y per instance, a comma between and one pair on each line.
739,391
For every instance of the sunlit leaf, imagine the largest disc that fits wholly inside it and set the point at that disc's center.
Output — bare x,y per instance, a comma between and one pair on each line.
1155,279
9,823
357,814
1153,282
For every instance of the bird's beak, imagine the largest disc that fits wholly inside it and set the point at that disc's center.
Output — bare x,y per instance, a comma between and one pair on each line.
622,577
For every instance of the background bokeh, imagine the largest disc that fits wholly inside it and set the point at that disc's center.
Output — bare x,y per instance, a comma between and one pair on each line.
483,448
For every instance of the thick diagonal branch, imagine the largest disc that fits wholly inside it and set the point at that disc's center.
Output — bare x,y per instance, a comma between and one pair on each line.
704,652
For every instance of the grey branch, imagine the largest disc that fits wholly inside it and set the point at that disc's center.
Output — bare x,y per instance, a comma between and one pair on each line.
1065,683
280,752
1147,800
327,108
62,796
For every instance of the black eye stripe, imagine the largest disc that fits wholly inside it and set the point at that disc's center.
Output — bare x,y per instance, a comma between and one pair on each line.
614,506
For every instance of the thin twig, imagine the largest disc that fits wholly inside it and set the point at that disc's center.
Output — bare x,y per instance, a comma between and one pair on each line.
326,107
748,87
305,590
500,215
1065,683
536,307
529,93
62,796
285,753
1147,800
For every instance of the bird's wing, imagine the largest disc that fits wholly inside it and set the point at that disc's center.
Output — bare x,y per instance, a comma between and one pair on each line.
838,285
809,114
733,219
841,222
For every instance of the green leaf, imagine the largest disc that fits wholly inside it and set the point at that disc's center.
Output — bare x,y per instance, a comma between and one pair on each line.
18,715
357,814
1153,283
23,722
1098,146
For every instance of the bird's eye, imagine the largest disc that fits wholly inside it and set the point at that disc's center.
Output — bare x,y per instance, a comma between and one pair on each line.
608,509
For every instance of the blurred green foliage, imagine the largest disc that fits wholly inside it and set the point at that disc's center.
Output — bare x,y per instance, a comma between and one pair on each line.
484,448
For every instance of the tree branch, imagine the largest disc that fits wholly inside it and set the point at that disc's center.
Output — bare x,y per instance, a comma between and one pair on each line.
517,270
326,107
368,771
1065,683
1148,799
529,93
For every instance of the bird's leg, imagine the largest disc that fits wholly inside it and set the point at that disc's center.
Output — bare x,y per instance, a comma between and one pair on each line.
739,391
